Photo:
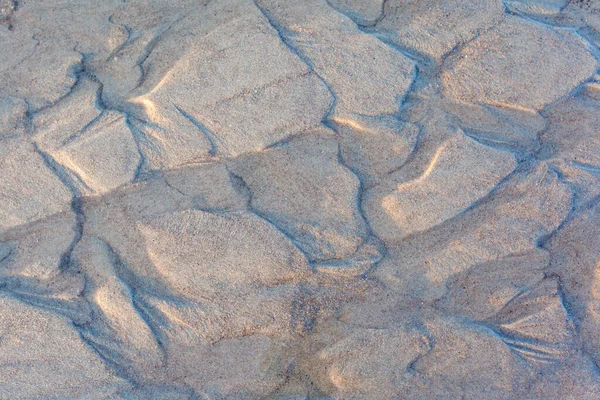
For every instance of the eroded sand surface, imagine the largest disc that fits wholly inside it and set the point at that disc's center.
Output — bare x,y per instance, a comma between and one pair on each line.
299,199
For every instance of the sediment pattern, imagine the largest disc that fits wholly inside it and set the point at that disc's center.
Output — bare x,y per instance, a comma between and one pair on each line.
316,199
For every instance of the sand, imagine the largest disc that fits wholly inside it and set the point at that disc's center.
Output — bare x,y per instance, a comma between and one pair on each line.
299,199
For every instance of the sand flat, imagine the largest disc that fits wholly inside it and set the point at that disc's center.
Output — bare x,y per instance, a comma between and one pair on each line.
284,199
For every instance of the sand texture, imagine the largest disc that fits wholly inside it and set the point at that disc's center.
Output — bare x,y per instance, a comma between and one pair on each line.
299,199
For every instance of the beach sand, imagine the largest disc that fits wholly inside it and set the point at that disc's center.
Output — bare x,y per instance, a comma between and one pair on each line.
299,199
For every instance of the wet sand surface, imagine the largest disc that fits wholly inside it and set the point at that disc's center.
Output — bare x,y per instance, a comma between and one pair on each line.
299,199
